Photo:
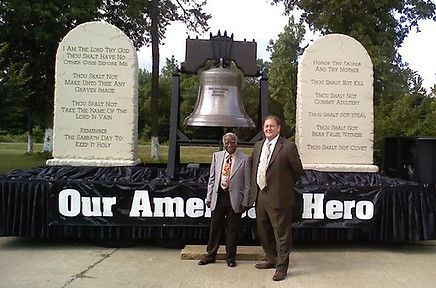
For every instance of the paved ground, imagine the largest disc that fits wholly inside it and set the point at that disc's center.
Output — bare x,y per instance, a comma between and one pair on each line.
72,264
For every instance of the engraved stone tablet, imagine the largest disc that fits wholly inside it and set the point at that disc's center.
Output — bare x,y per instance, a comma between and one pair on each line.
334,125
96,96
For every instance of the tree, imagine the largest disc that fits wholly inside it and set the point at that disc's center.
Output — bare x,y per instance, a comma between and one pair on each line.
410,115
433,91
284,66
163,112
144,80
13,84
162,13
32,30
380,25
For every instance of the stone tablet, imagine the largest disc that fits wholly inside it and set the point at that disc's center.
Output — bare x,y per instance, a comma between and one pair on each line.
334,125
96,98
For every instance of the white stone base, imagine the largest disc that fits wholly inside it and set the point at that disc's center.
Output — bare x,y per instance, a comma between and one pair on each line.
87,162
341,167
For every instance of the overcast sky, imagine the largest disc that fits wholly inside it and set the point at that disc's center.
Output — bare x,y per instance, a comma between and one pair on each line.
258,20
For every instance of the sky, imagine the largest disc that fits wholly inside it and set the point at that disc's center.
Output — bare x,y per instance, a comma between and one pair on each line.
258,20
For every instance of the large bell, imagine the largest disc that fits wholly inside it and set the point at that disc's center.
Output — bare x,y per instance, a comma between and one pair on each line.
219,101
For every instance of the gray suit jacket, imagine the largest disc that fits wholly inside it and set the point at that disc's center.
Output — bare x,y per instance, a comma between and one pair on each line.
239,187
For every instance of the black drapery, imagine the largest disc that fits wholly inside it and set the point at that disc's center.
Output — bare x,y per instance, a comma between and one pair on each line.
403,211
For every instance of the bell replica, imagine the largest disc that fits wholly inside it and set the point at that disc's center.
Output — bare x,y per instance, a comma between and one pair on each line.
219,100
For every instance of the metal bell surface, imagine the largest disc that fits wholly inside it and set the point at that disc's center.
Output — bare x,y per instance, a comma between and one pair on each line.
219,101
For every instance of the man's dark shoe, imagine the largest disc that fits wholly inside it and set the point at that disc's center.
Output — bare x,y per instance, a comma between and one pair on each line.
206,261
279,275
265,265
231,263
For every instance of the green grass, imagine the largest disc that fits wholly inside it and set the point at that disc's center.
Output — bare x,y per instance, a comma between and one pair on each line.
187,154
13,155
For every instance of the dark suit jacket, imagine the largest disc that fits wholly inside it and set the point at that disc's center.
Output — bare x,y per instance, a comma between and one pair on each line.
284,168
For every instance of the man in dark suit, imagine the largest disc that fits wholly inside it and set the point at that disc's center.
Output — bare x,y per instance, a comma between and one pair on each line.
227,196
276,168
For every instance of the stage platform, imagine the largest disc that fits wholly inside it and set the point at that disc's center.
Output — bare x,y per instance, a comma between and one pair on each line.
245,253
141,203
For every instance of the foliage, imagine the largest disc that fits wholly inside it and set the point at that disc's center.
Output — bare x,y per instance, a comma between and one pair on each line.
144,78
134,17
189,89
13,83
380,25
30,31
409,115
401,104
163,112
5,137
284,66
162,13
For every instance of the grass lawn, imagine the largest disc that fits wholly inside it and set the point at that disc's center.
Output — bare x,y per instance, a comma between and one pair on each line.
13,155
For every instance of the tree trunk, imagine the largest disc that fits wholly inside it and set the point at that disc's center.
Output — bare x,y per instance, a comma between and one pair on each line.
48,140
154,79
29,142
29,133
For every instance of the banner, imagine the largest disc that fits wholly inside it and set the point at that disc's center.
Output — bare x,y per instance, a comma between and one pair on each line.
78,203
94,203
140,202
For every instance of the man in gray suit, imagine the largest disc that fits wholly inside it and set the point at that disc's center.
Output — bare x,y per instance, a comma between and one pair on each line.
276,168
227,196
